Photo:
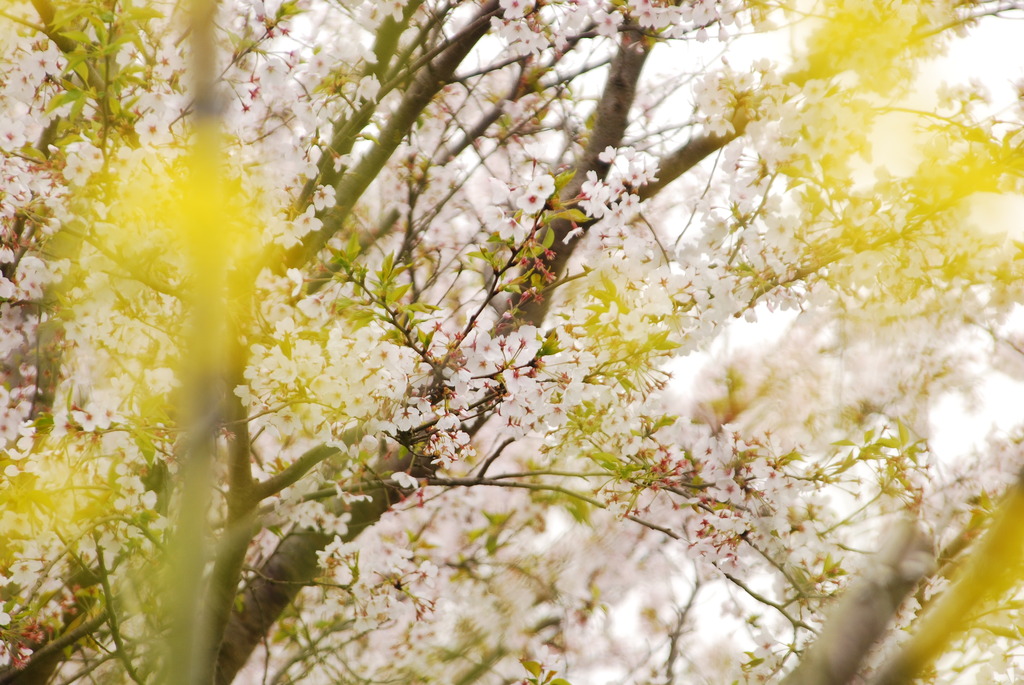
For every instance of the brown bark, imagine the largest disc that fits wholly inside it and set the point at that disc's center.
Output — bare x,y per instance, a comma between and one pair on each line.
294,563
609,128
426,83
992,569
864,611
291,567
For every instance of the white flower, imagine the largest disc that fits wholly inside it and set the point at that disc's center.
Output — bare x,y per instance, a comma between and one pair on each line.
407,418
514,9
571,235
500,192
306,223
324,197
160,381
152,130
25,572
522,345
521,39
607,24
82,160
507,227
535,196
295,276
594,195
404,480
368,88
448,422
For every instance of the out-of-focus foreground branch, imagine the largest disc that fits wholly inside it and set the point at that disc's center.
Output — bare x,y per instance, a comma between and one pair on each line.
859,621
992,570
865,610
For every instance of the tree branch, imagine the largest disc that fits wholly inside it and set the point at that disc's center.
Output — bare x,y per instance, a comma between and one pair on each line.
294,472
292,566
864,611
993,569
696,150
608,130
428,81
41,664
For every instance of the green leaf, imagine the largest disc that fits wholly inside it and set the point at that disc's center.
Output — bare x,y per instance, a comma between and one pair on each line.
77,36
661,342
497,519
532,666
904,433
353,247
387,267
549,239
137,13
550,345
76,109
562,180
396,293
43,421
101,30
31,152
61,99
606,459
578,509
79,67
574,215
361,317
288,9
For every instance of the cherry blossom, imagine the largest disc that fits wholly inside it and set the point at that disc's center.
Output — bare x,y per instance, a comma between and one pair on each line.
500,341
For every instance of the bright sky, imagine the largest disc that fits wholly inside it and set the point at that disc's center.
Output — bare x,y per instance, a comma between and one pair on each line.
988,53
960,423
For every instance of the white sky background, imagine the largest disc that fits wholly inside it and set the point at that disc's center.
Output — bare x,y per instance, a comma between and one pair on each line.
989,53
960,423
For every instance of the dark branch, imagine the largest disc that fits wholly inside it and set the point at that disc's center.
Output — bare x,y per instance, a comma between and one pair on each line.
43,661
609,128
696,150
991,570
865,610
291,567
429,80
